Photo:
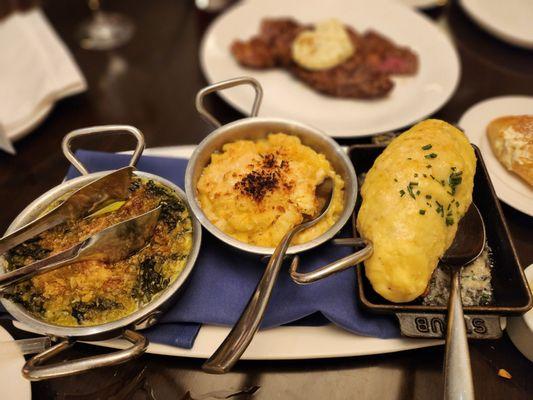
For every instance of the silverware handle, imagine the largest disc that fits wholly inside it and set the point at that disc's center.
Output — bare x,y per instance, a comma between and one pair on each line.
39,267
245,80
229,352
332,268
94,130
35,371
458,382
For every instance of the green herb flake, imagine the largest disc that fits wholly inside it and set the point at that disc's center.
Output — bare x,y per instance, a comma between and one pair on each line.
421,211
455,180
449,221
402,192
428,196
427,147
431,155
428,166
410,190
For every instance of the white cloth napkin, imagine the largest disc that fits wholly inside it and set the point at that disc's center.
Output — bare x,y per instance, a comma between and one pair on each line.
36,69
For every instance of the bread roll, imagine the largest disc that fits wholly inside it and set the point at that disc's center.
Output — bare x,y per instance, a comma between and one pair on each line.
511,140
413,197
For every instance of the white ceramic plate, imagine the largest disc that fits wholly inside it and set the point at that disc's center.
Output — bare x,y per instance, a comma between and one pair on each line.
422,4
412,99
509,187
509,20
282,343
12,384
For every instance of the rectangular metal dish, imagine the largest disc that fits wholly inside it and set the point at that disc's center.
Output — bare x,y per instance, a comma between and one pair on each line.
511,292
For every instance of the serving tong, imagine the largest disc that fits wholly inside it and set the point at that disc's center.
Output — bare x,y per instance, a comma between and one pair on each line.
109,245
87,199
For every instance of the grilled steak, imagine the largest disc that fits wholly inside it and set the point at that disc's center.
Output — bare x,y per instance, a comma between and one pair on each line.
366,74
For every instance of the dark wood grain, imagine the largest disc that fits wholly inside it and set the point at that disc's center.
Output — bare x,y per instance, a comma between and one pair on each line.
151,83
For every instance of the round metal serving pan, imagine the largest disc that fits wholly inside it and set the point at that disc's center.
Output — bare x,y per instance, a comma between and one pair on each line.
255,128
109,329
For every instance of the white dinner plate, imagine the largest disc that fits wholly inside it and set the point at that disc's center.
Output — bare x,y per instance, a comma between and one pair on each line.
12,384
412,98
509,20
508,186
281,343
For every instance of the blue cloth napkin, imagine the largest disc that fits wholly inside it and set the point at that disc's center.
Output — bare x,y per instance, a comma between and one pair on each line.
224,279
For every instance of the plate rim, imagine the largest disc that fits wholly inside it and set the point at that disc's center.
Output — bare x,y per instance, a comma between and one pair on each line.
24,384
469,7
477,139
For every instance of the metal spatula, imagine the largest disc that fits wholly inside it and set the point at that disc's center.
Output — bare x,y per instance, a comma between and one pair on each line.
109,188
109,245
468,245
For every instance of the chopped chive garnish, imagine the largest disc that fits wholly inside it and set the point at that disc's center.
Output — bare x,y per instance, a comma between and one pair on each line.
449,221
418,192
455,180
431,155
421,212
413,183
402,192
410,190
428,196
427,147
428,166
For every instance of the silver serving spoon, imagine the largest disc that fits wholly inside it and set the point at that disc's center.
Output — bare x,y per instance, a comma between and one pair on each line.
468,244
229,352
109,245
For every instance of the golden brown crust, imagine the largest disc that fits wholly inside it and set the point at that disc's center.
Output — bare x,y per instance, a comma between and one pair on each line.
511,140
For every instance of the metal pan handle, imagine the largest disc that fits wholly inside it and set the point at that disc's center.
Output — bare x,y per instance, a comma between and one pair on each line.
67,150
35,371
336,266
245,80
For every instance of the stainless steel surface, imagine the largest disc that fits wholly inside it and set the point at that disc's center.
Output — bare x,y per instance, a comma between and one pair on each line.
34,369
466,247
200,107
25,346
242,333
258,128
110,329
111,187
97,130
109,245
334,267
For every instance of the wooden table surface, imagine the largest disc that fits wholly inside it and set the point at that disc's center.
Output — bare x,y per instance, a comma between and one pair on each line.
151,83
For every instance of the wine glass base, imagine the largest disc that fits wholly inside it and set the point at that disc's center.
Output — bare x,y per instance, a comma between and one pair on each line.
105,31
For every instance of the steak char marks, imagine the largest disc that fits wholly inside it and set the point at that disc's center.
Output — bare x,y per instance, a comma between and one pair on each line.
365,75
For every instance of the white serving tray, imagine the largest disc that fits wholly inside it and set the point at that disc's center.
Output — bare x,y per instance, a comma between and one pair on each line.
281,343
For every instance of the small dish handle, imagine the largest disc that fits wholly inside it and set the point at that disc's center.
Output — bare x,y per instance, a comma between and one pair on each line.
334,267
245,80
94,130
33,370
